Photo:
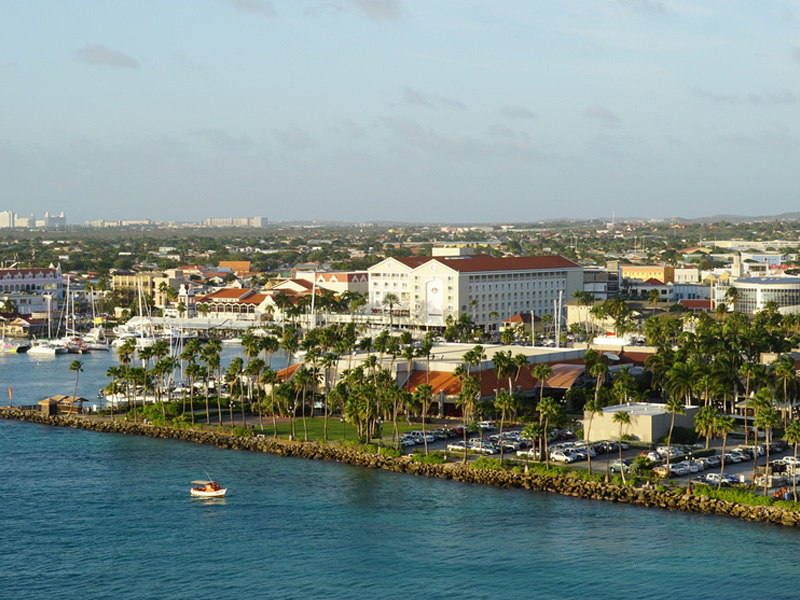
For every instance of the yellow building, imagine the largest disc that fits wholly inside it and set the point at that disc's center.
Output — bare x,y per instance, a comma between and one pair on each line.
663,273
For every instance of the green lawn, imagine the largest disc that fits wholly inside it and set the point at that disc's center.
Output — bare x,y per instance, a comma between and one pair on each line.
336,429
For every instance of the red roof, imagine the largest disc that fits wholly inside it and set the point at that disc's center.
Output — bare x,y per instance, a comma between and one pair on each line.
697,304
508,263
522,318
234,294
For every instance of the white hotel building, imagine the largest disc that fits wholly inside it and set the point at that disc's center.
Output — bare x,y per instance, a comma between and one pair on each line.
430,289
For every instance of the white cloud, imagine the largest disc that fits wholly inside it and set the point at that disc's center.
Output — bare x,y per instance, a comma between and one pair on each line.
516,112
602,115
98,55
252,6
430,100
295,139
378,10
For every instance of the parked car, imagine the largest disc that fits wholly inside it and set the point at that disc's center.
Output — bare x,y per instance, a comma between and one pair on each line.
619,467
562,456
531,454
422,436
455,447
661,471
680,469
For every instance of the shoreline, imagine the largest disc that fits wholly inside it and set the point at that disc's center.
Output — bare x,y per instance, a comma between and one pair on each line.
565,486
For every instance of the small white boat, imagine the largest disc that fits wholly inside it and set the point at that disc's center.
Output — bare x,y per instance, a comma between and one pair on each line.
43,348
207,489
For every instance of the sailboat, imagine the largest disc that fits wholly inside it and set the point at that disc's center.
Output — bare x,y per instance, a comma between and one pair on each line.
47,347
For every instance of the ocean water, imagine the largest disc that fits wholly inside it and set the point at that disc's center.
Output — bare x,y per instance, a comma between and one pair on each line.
91,515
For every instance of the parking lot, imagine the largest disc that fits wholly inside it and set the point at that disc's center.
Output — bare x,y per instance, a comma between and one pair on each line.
739,466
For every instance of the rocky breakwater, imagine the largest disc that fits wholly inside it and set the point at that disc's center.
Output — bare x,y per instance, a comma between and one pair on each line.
676,499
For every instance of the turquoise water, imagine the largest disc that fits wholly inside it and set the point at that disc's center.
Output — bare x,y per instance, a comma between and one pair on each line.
89,515
99,515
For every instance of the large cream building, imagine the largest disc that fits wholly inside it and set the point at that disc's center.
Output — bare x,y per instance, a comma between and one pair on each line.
430,289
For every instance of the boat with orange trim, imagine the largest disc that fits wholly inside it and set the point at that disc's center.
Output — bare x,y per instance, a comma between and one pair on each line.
207,489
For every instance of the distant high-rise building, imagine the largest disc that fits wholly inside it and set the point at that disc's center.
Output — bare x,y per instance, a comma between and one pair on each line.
237,222
25,222
6,219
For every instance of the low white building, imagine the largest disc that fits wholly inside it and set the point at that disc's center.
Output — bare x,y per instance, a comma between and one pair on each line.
649,421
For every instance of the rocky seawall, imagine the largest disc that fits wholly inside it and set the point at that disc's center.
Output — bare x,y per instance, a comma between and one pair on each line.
567,486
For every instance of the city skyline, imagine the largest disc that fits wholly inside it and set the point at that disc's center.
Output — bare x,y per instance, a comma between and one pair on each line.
400,110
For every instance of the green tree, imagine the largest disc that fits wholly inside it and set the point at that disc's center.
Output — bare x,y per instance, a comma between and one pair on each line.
390,299
723,425
548,409
766,420
792,436
504,403
704,422
591,408
76,367
623,418
674,407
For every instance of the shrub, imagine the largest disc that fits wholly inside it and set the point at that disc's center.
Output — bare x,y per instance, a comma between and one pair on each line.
640,466
390,452
741,496
484,463
242,431
437,457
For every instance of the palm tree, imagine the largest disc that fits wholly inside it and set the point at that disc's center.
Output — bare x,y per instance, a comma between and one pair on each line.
652,298
704,422
792,435
786,373
767,419
270,378
233,376
623,418
592,407
547,408
115,373
210,355
732,297
762,400
504,402
76,367
723,425
422,397
125,354
470,388
675,407
390,299
680,379
541,372
302,379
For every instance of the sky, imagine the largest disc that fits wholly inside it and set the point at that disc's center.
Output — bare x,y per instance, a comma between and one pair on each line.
399,110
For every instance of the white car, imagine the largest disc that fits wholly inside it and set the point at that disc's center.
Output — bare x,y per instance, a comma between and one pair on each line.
532,454
691,465
680,469
422,436
562,456
456,447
